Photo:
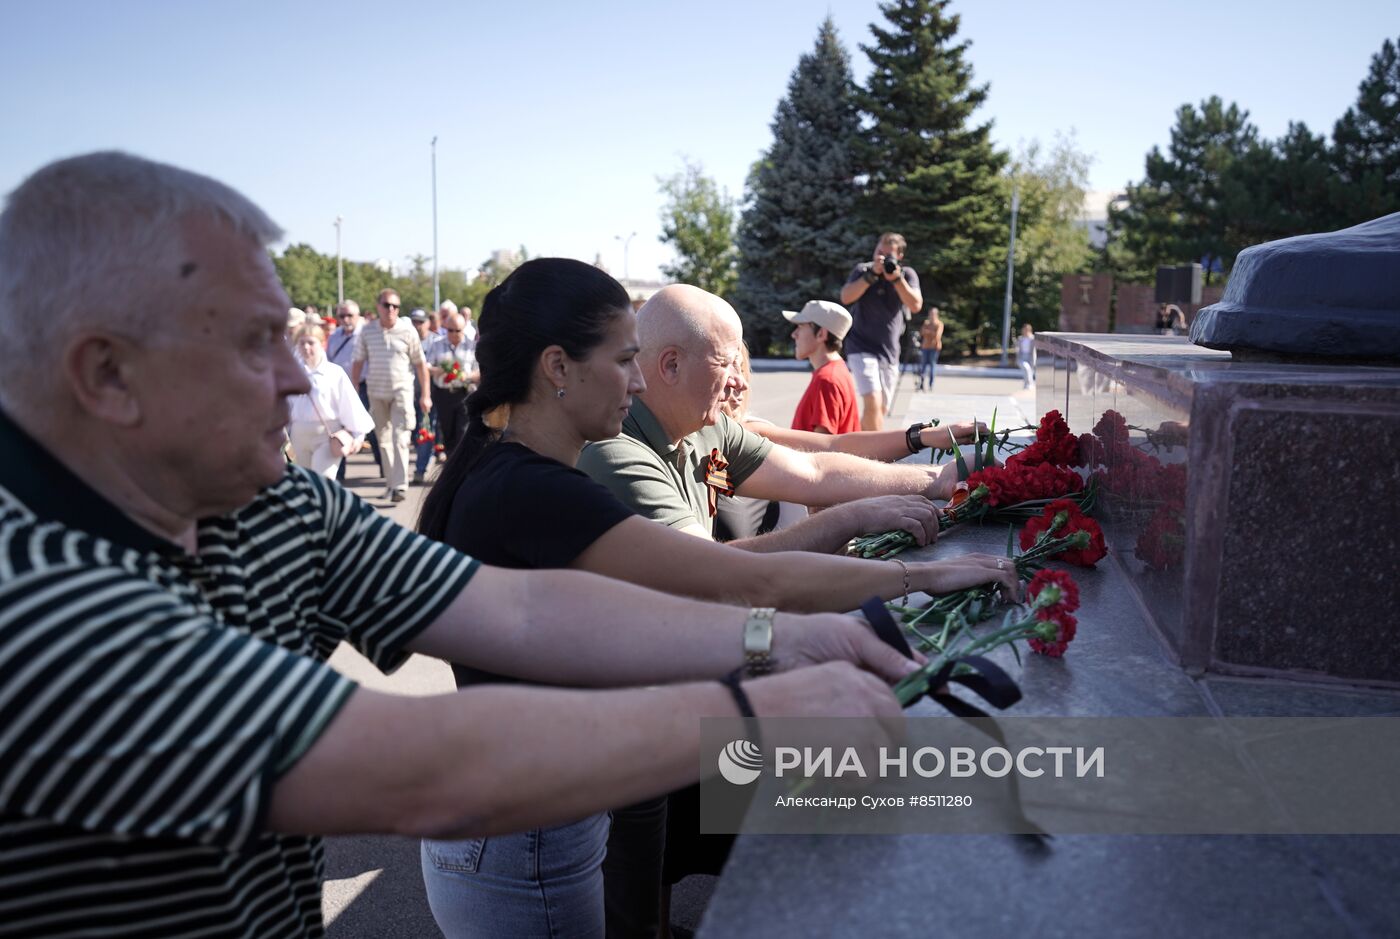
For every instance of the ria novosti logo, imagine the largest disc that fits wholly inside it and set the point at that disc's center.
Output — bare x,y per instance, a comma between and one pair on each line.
740,762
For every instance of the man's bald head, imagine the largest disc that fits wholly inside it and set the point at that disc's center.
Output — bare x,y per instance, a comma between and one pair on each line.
690,342
688,317
454,323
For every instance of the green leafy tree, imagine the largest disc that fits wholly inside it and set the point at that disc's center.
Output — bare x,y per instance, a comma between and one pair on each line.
1366,142
307,275
798,234
1051,240
1179,212
697,221
932,173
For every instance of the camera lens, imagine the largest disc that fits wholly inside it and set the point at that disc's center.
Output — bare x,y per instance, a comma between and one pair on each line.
890,265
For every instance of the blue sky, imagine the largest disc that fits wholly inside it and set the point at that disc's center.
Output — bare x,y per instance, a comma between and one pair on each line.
555,119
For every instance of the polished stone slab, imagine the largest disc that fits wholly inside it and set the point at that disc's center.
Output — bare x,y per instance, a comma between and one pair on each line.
1128,886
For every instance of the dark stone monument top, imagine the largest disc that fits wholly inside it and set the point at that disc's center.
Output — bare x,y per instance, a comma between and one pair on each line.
1333,295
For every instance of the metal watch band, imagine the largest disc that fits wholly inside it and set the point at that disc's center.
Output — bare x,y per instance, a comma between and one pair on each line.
758,641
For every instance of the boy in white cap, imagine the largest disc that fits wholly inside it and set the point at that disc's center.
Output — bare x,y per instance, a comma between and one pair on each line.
829,404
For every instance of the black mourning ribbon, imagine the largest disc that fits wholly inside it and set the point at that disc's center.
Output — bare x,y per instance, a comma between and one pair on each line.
989,682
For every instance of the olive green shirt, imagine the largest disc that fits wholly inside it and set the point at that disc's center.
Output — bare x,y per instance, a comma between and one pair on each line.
666,483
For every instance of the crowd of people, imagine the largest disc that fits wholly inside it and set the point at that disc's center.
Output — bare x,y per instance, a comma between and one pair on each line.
424,365
172,742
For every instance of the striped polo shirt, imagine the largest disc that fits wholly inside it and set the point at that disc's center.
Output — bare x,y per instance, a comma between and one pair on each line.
150,699
390,356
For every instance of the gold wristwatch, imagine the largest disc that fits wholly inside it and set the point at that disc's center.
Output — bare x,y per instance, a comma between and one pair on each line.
758,641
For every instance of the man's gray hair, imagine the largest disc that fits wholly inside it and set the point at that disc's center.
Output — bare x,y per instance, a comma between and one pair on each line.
349,306
97,239
449,306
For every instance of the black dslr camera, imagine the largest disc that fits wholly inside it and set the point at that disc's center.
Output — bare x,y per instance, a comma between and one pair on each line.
871,271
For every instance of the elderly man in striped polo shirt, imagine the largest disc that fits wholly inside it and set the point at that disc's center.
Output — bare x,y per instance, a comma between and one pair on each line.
171,738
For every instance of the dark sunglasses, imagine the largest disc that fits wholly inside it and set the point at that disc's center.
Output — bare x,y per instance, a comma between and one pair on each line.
388,306
451,331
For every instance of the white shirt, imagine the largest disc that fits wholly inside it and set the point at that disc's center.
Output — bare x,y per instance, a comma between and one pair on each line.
335,398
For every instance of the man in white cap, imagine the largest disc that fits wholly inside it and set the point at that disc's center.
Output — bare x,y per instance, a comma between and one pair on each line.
829,405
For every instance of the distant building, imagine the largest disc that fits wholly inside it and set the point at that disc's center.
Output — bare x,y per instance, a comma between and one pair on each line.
1094,219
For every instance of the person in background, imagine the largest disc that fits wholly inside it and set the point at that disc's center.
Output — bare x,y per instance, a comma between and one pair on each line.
328,423
389,356
469,329
828,406
930,344
881,294
422,417
1025,355
340,349
445,310
450,400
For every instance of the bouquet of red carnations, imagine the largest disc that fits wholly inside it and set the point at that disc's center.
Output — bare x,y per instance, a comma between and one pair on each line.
454,374
1018,490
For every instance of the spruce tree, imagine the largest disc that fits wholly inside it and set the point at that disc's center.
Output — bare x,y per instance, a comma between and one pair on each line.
932,174
1366,142
799,235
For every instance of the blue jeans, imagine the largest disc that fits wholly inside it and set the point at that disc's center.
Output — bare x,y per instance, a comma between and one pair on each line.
546,882
928,358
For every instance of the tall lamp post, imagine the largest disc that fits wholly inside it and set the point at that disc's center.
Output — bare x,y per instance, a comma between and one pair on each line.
626,243
339,265
1010,270
437,299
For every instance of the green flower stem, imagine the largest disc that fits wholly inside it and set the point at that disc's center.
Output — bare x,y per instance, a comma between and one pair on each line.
915,685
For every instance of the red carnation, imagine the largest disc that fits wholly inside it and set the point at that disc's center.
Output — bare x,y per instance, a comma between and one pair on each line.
1162,543
1053,445
1054,635
1059,582
1075,522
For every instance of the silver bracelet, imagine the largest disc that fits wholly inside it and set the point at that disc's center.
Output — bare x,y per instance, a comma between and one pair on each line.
904,567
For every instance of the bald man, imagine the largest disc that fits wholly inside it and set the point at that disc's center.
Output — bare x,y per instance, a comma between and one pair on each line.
678,448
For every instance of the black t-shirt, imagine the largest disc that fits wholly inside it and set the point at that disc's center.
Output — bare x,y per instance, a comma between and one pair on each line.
523,510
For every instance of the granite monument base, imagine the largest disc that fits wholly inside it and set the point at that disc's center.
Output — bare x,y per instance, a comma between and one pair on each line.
1255,505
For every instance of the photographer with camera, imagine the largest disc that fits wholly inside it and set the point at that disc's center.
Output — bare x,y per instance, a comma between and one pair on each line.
881,295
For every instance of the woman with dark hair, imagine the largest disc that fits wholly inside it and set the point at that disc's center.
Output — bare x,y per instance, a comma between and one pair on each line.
557,350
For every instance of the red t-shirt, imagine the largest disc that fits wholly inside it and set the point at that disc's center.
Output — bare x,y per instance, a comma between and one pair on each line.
830,401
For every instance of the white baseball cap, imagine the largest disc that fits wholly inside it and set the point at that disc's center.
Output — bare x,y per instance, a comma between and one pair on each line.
833,316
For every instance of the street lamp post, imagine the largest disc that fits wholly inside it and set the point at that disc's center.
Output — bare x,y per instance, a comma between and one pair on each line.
1010,271
626,243
339,265
437,299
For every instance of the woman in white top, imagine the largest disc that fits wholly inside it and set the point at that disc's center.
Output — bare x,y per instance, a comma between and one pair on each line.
1025,355
330,423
